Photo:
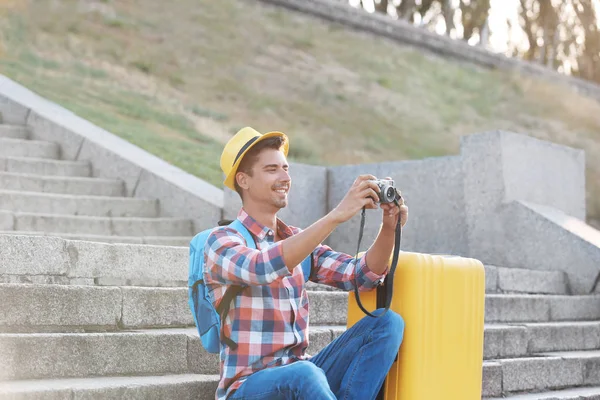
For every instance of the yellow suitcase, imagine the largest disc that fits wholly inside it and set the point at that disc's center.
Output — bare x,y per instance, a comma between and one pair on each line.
441,299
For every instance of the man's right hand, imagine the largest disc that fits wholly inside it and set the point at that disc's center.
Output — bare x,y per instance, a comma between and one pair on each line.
362,193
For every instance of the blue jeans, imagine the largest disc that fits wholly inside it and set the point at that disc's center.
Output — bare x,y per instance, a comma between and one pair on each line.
353,366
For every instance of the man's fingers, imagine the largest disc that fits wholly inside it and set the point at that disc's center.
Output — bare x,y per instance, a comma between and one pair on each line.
369,203
368,192
365,184
392,211
372,205
365,177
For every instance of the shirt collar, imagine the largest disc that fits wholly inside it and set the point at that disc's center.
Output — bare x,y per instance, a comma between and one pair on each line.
259,230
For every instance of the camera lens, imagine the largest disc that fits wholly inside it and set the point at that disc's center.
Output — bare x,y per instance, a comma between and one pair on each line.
390,194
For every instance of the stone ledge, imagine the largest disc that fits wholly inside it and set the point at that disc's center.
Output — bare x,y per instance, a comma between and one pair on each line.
181,387
545,238
89,261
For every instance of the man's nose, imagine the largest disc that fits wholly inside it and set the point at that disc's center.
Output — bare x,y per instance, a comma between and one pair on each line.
285,176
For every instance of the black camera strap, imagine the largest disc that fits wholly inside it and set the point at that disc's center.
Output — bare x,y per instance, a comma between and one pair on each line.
388,284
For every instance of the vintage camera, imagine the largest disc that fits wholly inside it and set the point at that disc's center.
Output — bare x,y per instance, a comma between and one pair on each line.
387,190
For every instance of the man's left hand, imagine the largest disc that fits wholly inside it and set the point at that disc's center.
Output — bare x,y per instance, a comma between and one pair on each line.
391,213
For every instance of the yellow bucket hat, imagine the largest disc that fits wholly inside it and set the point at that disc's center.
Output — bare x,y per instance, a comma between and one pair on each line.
238,146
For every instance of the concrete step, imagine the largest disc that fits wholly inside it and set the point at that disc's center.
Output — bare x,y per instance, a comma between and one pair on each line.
584,393
62,185
516,280
65,204
180,387
542,373
63,308
14,132
521,340
510,280
46,167
38,307
541,308
146,352
45,259
97,354
29,245
499,308
44,356
184,387
21,359
179,241
28,148
104,226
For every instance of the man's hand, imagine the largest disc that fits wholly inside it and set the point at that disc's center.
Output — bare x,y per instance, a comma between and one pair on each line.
362,193
391,212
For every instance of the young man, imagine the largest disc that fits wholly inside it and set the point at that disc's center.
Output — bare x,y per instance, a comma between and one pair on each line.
269,319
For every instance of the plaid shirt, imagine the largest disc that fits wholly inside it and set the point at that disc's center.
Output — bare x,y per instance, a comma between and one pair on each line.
269,320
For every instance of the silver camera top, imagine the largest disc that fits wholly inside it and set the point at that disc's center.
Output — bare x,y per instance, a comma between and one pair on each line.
387,190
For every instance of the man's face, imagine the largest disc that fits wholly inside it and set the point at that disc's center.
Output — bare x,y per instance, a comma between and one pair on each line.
270,181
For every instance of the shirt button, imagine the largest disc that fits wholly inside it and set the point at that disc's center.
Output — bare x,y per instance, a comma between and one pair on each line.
270,233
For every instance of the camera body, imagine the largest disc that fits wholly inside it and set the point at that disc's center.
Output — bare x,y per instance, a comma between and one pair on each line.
387,190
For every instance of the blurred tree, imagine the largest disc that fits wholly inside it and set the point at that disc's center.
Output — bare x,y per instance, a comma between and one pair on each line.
474,17
588,58
381,6
561,34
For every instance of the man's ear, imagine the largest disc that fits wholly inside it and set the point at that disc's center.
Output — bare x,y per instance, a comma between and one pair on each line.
242,180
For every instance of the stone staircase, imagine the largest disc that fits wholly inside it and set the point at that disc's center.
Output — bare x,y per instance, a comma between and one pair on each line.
43,195
107,318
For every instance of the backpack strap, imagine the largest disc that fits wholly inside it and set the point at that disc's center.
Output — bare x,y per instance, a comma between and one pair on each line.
234,290
308,267
223,308
240,228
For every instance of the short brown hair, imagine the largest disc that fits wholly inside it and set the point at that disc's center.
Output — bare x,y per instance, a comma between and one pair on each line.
250,158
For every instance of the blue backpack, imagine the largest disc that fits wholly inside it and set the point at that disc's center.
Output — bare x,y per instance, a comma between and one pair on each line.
207,318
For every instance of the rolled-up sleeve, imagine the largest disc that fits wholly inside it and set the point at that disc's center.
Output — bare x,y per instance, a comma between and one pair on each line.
228,260
344,271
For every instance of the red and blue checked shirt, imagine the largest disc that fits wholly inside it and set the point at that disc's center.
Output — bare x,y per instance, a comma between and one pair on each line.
269,319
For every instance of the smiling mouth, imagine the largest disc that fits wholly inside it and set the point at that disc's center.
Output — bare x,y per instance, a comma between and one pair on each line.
281,190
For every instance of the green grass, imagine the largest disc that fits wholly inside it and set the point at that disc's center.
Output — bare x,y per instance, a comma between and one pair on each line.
179,78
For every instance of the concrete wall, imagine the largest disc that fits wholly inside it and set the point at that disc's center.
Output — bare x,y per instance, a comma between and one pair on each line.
180,194
501,167
432,189
541,237
544,173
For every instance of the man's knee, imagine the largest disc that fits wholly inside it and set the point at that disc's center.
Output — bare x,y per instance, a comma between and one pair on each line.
393,330
314,380
308,369
394,322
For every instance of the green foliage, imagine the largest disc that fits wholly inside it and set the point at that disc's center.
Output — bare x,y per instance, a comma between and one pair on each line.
143,65
203,112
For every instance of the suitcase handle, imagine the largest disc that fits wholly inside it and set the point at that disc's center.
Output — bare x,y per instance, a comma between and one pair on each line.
388,284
